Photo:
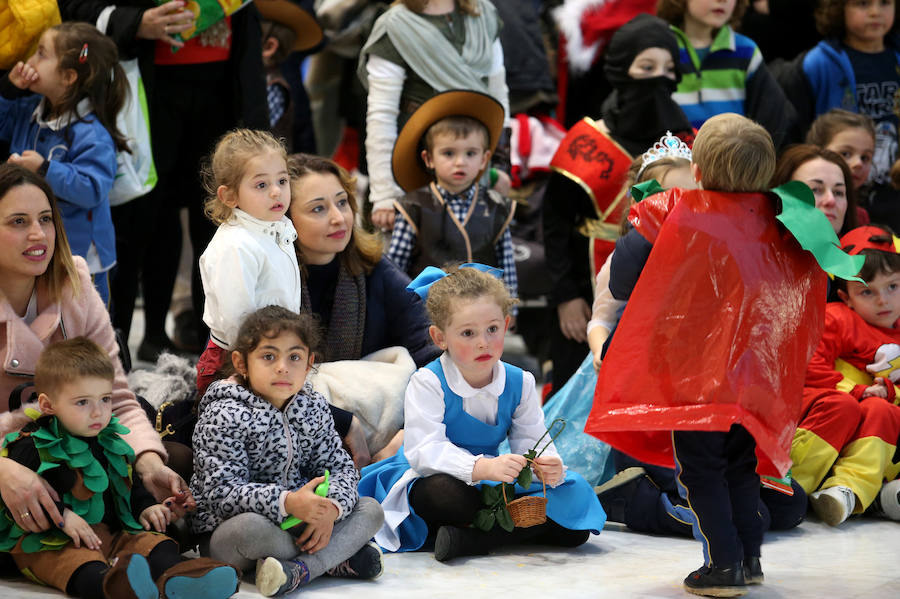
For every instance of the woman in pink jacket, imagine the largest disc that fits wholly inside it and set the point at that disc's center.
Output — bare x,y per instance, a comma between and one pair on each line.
46,295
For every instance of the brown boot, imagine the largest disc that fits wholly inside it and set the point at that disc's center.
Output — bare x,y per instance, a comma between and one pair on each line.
200,578
130,578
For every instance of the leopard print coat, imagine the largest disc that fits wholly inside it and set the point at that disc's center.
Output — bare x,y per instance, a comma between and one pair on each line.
247,454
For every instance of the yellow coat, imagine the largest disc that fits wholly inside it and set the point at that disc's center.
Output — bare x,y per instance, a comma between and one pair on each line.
21,24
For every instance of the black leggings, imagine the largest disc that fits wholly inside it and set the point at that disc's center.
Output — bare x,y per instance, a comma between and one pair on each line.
87,581
441,499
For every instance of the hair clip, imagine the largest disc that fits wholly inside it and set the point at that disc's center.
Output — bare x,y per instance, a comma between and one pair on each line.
82,56
668,146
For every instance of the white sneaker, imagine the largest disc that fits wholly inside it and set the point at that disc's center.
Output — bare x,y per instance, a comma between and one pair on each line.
887,502
834,504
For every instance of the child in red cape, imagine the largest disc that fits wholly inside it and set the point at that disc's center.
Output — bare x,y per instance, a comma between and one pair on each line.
714,340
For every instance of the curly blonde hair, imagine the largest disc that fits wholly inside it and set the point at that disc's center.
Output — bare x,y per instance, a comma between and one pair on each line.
226,166
464,284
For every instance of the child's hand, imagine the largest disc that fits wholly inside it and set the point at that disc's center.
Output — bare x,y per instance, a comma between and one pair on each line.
383,218
504,468
22,75
317,533
305,504
157,517
550,469
180,503
29,159
879,389
80,531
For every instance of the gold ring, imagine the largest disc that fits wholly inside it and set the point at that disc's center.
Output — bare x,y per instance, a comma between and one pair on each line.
26,514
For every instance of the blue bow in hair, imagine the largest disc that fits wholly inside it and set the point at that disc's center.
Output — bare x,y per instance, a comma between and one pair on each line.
432,274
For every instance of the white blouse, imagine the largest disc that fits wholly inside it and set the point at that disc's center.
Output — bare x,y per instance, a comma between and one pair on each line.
249,264
425,442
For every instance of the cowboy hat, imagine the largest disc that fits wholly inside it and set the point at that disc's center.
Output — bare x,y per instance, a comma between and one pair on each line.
409,171
307,29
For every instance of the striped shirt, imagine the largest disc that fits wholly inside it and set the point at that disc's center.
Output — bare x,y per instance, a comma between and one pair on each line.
718,82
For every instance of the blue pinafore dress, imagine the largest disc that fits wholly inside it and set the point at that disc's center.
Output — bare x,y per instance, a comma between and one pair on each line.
571,504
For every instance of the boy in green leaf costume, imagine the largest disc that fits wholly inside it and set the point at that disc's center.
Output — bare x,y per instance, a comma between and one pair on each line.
110,542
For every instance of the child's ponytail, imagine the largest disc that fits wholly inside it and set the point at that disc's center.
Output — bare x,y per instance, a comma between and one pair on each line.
95,60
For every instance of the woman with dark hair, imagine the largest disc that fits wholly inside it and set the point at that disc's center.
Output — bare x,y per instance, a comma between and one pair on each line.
46,295
829,177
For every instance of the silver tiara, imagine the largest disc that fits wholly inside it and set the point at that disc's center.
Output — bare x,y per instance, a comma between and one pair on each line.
668,146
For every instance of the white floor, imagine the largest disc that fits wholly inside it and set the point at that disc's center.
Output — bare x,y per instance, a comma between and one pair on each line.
859,559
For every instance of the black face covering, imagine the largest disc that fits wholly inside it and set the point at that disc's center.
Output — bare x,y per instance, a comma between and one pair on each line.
640,111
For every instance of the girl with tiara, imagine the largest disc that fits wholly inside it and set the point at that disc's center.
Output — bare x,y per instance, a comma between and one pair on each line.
459,409
668,163
585,196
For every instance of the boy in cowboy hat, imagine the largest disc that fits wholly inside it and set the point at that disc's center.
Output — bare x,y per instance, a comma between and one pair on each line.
447,215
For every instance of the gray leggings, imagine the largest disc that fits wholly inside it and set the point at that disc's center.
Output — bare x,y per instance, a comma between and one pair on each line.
245,538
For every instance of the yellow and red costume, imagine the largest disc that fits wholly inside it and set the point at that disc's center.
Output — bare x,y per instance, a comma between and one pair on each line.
843,439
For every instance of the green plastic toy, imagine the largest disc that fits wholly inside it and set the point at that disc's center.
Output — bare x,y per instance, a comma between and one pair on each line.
321,491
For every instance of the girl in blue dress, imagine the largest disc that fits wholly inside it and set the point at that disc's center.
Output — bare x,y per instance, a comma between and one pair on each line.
458,410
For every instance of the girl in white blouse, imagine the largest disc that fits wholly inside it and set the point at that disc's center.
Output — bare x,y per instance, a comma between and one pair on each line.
458,410
250,262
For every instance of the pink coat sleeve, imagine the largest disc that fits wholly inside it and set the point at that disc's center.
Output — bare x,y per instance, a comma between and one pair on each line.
90,312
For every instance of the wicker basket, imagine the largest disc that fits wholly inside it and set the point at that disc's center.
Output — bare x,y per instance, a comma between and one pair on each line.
527,511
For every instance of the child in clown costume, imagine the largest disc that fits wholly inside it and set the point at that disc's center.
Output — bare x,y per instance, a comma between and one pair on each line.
110,543
846,441
458,409
727,310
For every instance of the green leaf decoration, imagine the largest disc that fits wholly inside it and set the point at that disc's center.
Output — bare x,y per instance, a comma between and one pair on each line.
79,506
46,466
646,189
490,494
813,232
524,478
10,437
8,543
484,519
58,453
81,460
117,464
95,478
45,434
95,510
120,486
32,543
505,520
74,445
55,539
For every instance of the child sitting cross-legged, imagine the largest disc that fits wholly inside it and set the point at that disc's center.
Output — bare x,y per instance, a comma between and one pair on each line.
447,215
458,410
266,451
110,542
845,443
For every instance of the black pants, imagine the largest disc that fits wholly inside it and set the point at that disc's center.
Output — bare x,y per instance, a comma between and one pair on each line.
656,507
441,499
190,108
716,475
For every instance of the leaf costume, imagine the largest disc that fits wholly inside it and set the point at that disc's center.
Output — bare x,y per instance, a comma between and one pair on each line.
57,448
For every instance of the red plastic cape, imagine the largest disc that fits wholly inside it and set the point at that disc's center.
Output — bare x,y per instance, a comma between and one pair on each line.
718,329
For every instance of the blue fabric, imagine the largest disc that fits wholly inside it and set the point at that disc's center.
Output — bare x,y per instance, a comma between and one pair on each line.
395,316
583,453
830,75
572,504
81,172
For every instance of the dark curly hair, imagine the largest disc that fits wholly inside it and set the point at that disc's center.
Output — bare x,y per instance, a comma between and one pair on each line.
269,323
830,18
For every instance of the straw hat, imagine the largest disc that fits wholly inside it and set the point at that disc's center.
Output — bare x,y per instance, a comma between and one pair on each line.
308,31
409,171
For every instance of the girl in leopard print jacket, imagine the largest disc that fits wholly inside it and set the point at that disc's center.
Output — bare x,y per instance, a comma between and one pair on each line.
262,442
